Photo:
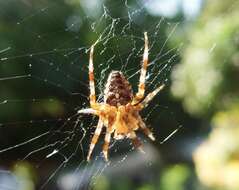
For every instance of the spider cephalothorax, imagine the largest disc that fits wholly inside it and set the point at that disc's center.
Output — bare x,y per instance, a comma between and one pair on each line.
119,112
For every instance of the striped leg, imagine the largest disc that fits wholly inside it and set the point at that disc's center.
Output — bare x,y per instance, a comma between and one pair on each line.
136,142
151,95
95,138
141,86
146,130
91,77
106,144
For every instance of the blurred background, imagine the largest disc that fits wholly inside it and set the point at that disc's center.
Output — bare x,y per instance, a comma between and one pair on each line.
43,82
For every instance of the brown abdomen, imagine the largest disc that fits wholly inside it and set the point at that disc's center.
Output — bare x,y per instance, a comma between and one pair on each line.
118,90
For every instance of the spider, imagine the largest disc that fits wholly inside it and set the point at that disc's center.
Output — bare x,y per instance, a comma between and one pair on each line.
119,112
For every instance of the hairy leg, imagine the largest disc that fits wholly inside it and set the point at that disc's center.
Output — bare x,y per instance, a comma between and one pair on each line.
95,138
141,86
91,77
106,144
151,95
136,142
146,130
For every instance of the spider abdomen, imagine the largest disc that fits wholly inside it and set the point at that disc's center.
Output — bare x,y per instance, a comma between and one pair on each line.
118,90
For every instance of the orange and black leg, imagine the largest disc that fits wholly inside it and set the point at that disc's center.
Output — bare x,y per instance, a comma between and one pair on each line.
95,138
141,87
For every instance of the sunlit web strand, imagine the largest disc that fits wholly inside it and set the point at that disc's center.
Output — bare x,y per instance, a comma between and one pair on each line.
43,80
66,160
24,143
55,50
4,50
171,134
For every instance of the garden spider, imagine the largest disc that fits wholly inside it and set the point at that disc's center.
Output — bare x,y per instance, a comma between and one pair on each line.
119,112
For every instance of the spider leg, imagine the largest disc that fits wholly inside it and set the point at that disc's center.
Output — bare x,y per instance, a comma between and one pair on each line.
106,144
91,77
141,86
87,111
146,130
95,138
151,95
136,142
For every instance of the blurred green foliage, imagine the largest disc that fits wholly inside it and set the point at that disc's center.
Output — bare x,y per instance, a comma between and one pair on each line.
26,175
217,159
175,177
206,81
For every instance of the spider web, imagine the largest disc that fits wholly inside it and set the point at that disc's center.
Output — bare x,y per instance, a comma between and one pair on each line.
44,84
